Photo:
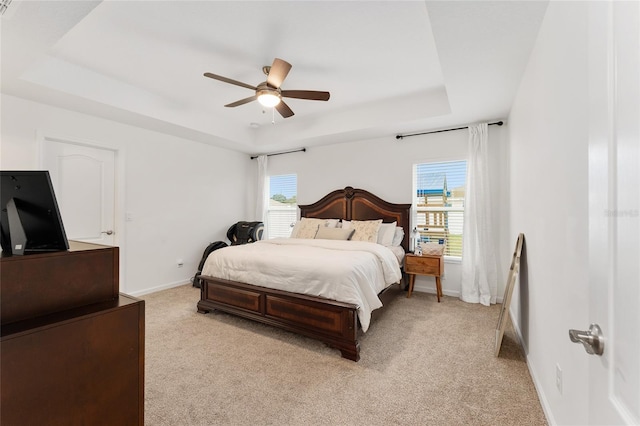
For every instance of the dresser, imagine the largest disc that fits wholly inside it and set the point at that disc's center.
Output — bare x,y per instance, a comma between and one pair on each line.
72,346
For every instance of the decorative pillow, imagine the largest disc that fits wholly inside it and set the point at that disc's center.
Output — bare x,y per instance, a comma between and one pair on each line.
325,233
366,230
397,238
307,227
386,233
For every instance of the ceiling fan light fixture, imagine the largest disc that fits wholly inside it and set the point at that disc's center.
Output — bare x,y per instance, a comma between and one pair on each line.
269,93
268,99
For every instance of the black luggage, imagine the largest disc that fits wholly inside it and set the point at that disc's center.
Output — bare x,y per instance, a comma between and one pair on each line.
245,232
210,248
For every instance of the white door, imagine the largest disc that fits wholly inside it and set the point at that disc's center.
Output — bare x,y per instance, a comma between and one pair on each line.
614,211
84,180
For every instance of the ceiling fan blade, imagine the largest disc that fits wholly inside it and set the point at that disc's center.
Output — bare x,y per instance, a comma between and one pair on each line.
306,94
230,81
284,109
242,101
278,72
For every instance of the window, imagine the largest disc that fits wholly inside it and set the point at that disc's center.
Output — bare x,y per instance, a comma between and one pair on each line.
282,211
439,191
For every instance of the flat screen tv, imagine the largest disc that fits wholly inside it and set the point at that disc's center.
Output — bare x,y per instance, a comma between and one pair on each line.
30,220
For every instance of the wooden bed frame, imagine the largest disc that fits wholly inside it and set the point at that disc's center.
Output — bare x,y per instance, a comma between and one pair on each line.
332,322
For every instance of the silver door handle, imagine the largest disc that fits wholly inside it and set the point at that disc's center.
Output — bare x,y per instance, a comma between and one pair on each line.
592,339
109,232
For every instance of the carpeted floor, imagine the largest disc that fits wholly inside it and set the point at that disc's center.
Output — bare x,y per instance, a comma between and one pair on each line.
422,363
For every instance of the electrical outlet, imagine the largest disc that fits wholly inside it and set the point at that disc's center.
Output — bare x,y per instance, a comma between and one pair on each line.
180,263
559,378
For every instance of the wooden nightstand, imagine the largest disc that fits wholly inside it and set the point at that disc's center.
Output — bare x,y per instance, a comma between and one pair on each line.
426,264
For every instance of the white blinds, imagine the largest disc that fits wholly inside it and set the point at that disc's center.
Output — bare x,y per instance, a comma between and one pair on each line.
282,211
439,191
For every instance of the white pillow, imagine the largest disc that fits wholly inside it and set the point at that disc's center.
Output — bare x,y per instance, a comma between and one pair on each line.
386,233
366,230
332,223
398,236
326,233
346,224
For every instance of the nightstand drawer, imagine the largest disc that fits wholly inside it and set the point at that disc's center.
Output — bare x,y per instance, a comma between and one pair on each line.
423,265
427,264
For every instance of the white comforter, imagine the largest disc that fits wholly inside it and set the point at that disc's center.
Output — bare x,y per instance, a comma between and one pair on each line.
346,271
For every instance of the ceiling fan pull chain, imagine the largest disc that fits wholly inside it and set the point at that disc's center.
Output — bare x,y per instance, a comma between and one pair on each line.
273,115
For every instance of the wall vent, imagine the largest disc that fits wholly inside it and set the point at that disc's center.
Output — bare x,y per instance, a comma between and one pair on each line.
4,5
8,8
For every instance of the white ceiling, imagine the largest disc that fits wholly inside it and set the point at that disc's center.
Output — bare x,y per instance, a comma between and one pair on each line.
391,66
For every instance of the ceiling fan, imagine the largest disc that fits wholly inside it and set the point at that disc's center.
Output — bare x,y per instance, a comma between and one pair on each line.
269,93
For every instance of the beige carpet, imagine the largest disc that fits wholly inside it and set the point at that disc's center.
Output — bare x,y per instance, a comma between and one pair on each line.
422,363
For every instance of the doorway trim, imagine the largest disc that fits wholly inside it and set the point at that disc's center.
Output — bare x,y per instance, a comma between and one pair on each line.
43,138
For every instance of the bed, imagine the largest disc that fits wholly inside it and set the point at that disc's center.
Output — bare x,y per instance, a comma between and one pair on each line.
333,322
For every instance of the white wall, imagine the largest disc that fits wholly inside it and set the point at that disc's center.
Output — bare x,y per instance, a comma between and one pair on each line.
384,167
173,187
548,203
181,194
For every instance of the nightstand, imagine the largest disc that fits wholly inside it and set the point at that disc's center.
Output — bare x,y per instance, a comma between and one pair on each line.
426,264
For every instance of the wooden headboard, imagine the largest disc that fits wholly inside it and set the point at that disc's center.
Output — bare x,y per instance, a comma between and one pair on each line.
358,204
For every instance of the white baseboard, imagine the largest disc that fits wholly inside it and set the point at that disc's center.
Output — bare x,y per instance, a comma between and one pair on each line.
453,293
419,287
158,288
534,376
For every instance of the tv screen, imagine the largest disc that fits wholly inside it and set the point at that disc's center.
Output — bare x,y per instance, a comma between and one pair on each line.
30,220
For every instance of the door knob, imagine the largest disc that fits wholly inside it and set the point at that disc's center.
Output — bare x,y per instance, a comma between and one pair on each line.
109,232
592,339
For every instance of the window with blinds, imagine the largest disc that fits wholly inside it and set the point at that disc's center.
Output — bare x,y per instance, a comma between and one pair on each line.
282,212
439,191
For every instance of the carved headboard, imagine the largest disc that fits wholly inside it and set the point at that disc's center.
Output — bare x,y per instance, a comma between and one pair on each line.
358,204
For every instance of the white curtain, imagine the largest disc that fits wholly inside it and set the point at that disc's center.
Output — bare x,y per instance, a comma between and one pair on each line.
262,191
479,268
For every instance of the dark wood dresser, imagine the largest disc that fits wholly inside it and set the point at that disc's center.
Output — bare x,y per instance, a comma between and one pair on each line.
71,345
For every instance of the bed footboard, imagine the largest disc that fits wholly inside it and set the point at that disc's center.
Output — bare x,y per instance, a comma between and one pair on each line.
334,323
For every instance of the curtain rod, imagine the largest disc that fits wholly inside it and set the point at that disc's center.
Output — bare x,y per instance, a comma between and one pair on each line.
253,157
499,123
